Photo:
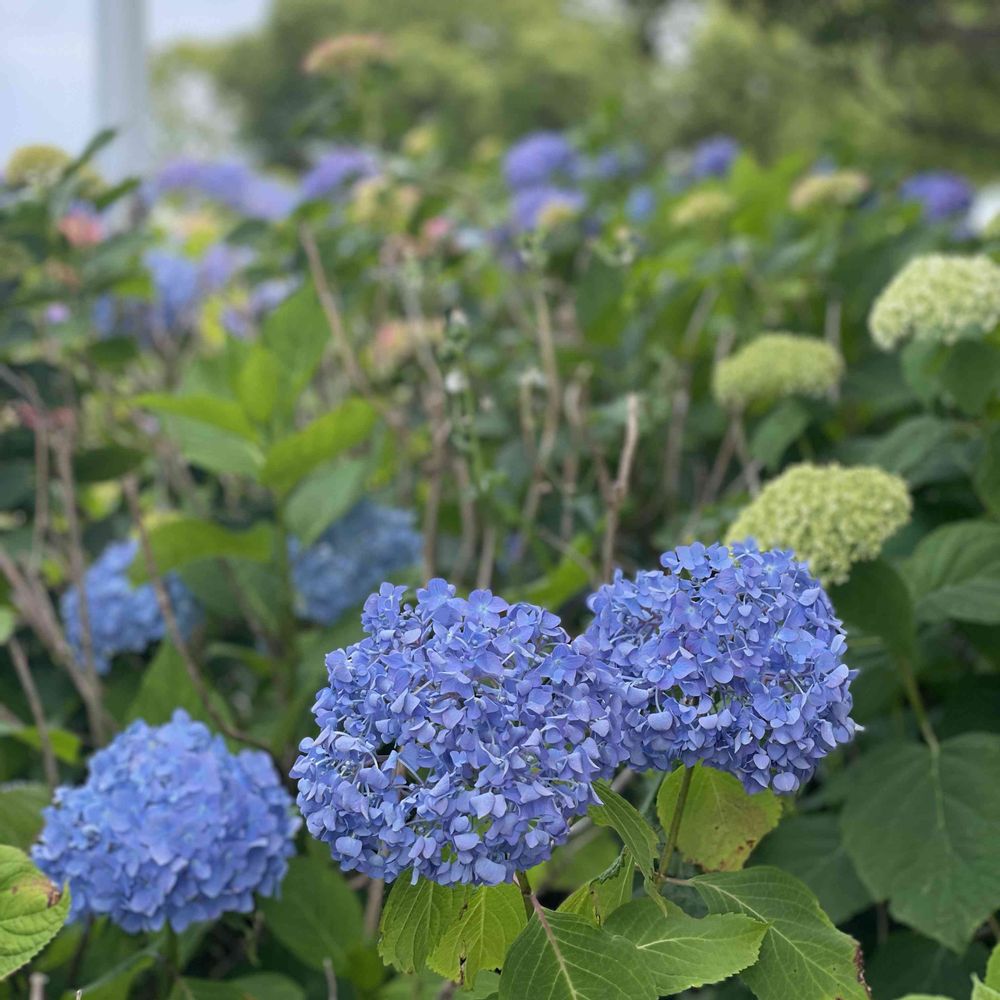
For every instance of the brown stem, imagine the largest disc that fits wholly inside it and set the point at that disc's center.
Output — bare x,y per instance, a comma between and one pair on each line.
619,488
373,906
675,824
23,670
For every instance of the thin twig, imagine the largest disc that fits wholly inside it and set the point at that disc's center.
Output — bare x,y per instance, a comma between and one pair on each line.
619,489
331,979
373,906
37,709
751,474
675,824
487,554
527,896
36,986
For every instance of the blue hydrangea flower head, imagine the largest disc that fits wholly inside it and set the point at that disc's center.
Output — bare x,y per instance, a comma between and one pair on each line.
541,206
713,157
176,287
457,739
730,656
356,553
539,159
942,194
169,827
641,203
123,618
335,171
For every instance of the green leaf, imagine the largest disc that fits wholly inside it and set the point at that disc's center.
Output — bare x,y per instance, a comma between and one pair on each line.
876,599
213,449
598,898
32,910
323,497
567,958
986,478
722,823
261,986
955,573
257,385
623,817
116,982
682,952
565,580
317,916
912,448
993,969
776,432
600,295
184,540
803,956
980,991
970,375
21,805
65,745
487,925
415,919
223,414
295,456
98,465
297,334
810,848
919,826
925,996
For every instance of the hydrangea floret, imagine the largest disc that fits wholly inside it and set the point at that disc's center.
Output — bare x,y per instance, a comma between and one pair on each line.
169,827
123,618
938,298
775,366
351,558
730,657
831,517
457,739
838,188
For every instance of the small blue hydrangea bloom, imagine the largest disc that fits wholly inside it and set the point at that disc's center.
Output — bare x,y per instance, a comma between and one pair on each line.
169,827
941,193
123,618
459,738
356,553
730,657
713,157
539,159
531,204
336,170
640,204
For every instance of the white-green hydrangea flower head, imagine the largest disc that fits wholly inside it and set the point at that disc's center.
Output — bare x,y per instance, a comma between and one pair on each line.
38,165
702,207
775,366
831,517
940,298
840,188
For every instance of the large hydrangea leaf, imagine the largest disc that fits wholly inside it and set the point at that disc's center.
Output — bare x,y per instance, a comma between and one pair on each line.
623,817
802,956
415,918
721,823
920,826
567,958
598,898
32,910
683,952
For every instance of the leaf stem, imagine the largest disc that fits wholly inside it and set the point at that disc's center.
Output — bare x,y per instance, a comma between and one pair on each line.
527,896
675,824
917,704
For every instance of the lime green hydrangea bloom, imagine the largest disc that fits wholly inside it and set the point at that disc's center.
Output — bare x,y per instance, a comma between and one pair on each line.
38,166
702,207
938,297
829,516
841,188
775,366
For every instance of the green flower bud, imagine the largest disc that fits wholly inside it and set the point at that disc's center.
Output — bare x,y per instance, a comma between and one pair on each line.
841,188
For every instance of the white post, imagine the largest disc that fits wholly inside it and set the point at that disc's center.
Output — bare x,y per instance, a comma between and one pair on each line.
122,86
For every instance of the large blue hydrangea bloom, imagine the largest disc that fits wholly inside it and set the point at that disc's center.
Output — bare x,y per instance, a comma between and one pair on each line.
730,657
169,827
942,193
350,559
336,170
713,157
123,618
458,738
538,159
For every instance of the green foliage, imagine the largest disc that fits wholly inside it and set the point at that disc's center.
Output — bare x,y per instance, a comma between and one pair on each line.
619,814
415,918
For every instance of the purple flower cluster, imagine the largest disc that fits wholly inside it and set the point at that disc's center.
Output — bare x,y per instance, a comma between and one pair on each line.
349,560
941,193
228,182
713,157
169,827
533,204
123,618
458,739
335,171
731,658
538,159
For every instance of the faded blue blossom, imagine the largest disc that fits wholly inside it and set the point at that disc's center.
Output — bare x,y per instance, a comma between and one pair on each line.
731,657
123,618
534,207
942,194
458,739
337,170
169,827
539,159
713,157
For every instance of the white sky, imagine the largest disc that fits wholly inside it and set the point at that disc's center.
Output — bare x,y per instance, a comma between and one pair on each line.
47,89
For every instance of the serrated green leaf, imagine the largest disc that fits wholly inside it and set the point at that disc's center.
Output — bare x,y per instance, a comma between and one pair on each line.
489,921
567,958
32,910
323,497
598,898
918,825
317,916
223,414
21,805
292,458
682,952
876,599
980,991
810,848
721,823
257,385
184,540
802,956
415,919
623,817
214,449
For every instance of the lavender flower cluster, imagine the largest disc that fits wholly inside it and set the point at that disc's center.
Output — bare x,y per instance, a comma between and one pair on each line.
123,618
731,658
230,183
539,170
941,193
458,739
170,827
358,551
336,170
